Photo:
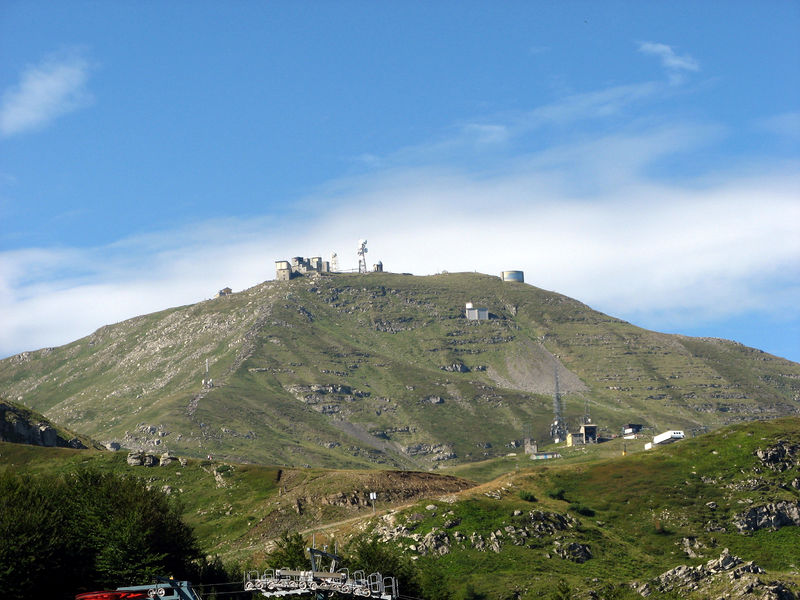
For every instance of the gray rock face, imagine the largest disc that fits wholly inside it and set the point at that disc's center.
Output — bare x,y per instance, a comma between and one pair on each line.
548,523
520,532
140,459
16,426
573,551
684,576
435,452
435,542
456,368
47,435
780,457
692,547
768,516
740,577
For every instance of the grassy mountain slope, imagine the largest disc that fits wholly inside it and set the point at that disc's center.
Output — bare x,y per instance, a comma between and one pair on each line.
638,515
359,370
239,507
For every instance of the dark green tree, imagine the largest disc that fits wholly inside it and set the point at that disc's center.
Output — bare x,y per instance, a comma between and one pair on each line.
373,556
36,549
289,553
59,536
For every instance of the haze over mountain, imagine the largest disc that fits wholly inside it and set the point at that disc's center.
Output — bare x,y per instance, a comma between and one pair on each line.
381,368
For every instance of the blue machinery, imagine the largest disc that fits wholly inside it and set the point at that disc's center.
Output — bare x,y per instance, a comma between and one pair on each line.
166,589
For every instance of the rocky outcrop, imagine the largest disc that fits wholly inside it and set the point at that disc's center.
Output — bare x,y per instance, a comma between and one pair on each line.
740,579
22,426
455,368
523,529
780,457
392,487
768,516
142,459
435,452
692,547
573,551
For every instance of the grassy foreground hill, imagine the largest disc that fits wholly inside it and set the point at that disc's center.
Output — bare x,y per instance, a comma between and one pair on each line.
654,523
355,371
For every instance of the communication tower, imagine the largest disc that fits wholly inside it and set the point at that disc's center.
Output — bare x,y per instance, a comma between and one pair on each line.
558,430
362,260
587,419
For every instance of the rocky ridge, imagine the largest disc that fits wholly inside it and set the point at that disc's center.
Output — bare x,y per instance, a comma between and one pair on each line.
738,577
22,426
522,529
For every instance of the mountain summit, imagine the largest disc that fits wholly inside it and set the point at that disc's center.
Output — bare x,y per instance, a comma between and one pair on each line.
354,370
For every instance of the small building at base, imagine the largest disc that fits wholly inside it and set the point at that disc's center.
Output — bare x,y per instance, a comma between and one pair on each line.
476,314
587,434
631,431
544,455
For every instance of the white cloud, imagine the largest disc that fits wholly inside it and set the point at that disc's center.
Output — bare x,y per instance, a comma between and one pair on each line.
674,64
636,248
591,105
502,131
582,217
48,90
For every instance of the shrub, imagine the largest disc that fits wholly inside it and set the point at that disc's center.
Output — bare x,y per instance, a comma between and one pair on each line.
87,529
527,496
581,510
659,528
373,556
289,553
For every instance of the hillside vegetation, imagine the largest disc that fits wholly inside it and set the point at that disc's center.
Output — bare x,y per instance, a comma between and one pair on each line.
355,371
709,517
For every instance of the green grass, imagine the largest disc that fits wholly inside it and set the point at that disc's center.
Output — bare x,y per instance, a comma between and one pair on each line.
643,504
386,336
633,512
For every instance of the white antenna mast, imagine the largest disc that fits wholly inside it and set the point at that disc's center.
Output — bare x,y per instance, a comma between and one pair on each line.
362,260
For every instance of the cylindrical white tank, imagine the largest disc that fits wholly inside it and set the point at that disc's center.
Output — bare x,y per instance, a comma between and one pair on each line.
513,276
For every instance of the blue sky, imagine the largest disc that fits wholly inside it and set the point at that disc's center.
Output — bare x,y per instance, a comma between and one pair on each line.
641,157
